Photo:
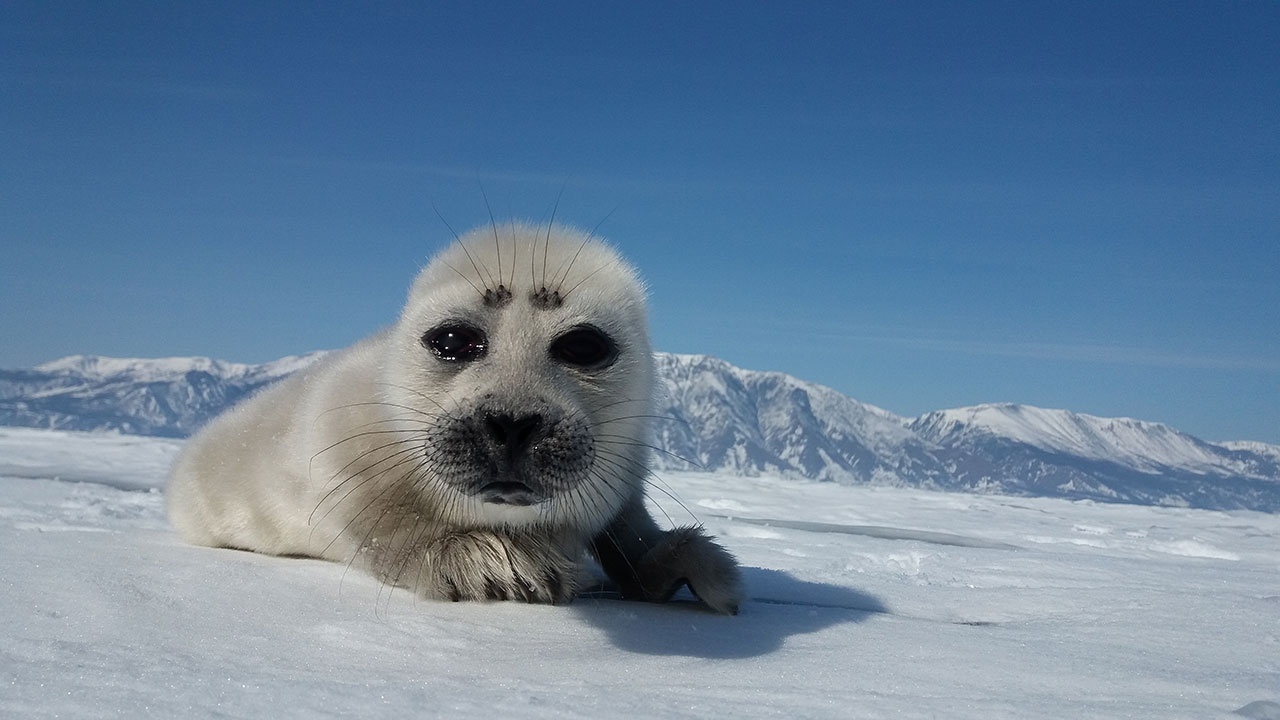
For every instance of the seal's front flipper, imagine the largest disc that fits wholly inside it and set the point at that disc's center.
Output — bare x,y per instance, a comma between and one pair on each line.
688,555
488,565
650,564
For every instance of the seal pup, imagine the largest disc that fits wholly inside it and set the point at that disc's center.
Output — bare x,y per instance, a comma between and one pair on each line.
481,448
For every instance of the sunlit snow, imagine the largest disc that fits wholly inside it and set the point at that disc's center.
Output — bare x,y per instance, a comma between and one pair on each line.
865,602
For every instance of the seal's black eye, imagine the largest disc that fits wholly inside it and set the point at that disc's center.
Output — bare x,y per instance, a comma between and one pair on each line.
585,347
456,343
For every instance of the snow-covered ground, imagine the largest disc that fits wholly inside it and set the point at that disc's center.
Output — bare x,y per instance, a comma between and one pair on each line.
865,602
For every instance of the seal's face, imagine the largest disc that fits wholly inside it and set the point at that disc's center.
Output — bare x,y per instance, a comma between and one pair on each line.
527,350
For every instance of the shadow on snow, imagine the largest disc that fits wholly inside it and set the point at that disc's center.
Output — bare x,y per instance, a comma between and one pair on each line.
778,606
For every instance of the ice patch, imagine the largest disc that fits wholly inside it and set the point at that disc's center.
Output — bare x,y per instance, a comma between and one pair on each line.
886,533
1193,548
753,532
908,563
1091,530
723,504
1083,542
46,527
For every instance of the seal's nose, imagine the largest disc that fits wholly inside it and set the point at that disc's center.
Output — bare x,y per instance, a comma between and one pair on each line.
514,435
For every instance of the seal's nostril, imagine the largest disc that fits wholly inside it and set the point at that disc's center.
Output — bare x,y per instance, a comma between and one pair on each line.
498,427
514,434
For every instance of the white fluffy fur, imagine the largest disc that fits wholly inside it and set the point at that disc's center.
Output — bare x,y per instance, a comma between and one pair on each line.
335,461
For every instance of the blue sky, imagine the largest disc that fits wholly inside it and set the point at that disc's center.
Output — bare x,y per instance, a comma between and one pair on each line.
922,205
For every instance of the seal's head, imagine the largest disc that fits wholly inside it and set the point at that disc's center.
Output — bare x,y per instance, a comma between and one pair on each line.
525,352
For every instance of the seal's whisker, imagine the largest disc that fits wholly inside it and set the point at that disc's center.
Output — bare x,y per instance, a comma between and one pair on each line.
404,488
335,487
464,277
414,439
410,454
623,401
585,278
362,548
418,423
626,440
667,418
654,481
514,249
494,225
376,403
546,246
459,243
433,401
595,496
403,550
354,483
616,462
557,279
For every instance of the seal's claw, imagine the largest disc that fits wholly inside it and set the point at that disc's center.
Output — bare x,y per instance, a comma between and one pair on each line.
484,565
689,556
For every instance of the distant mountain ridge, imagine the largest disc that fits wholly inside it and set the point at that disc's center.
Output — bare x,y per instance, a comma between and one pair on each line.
168,397
744,422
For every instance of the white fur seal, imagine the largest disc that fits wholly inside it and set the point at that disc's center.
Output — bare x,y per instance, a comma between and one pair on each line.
479,449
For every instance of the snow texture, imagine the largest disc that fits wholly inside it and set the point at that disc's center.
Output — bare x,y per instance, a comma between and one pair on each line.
865,602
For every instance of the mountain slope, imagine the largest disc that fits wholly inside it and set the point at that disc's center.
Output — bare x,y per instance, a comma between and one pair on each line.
724,418
1044,452
1142,446
168,397
747,422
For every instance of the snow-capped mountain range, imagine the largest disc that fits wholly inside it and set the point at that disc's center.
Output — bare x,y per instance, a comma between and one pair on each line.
168,397
744,422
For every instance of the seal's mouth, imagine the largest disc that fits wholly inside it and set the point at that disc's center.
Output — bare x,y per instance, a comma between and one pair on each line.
508,493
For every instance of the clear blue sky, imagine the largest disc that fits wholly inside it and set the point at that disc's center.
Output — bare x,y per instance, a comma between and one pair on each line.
922,205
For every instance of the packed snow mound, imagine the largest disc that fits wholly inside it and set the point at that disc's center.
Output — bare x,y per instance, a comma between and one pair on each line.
128,462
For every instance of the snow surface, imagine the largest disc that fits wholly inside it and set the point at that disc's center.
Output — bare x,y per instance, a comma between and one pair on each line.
865,602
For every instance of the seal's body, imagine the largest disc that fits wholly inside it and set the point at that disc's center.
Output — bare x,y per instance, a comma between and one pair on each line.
480,448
